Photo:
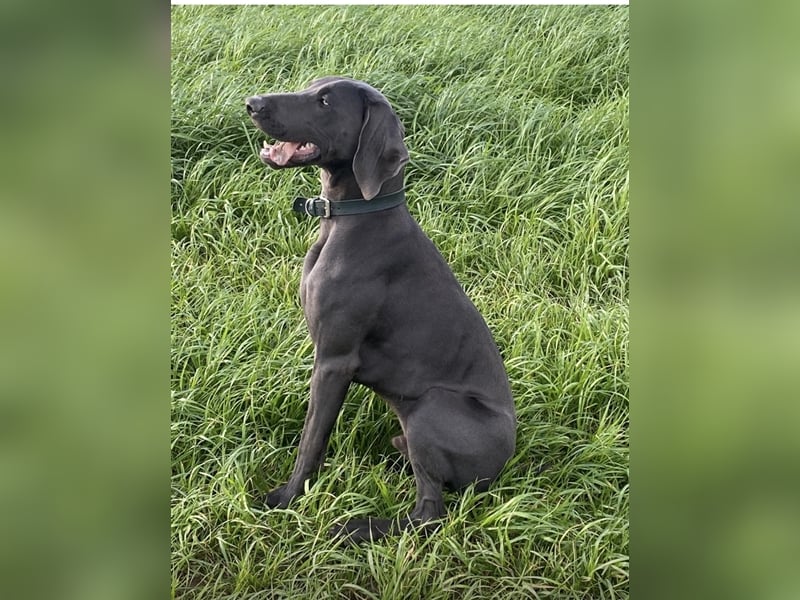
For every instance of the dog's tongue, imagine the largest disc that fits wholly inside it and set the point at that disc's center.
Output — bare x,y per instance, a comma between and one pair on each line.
281,152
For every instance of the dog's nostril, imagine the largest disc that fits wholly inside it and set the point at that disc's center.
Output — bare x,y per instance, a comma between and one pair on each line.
253,104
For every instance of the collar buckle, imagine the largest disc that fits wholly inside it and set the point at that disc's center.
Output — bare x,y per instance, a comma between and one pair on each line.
312,208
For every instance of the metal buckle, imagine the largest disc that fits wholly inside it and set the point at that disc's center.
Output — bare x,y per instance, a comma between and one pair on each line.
311,204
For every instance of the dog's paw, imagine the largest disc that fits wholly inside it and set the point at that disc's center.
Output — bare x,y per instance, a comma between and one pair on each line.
279,498
358,531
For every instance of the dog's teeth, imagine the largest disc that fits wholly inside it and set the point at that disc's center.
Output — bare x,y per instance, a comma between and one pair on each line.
266,145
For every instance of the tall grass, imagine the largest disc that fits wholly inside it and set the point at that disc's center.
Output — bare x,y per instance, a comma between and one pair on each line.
516,122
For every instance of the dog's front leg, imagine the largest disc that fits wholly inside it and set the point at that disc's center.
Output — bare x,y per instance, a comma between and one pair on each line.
329,383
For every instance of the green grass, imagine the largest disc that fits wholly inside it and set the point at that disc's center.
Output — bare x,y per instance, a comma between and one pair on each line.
517,125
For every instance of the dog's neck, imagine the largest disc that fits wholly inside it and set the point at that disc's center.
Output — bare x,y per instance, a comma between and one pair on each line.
341,184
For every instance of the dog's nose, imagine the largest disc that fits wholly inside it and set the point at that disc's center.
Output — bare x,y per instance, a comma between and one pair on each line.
254,104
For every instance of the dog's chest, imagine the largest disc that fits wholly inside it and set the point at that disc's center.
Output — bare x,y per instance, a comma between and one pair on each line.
323,285
341,289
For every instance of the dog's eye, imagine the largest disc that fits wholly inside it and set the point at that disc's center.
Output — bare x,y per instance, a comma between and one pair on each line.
323,100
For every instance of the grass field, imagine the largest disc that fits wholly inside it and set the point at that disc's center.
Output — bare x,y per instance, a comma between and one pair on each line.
517,126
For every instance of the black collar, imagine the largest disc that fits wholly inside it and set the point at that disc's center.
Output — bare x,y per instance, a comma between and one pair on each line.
324,208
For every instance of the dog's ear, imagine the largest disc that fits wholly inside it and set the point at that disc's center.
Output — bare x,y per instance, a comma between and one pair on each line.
381,152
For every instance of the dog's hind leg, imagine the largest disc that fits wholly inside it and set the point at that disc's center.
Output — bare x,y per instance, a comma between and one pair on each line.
428,509
452,440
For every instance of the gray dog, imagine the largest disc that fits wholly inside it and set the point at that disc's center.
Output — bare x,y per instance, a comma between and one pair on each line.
382,306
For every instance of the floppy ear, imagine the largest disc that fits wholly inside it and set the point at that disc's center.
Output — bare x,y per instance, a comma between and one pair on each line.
381,152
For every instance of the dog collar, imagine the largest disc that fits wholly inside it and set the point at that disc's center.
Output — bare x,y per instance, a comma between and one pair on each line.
325,209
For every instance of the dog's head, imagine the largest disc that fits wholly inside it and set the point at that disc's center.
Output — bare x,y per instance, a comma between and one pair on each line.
334,123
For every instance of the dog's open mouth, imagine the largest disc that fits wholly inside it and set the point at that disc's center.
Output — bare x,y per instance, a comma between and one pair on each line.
282,153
